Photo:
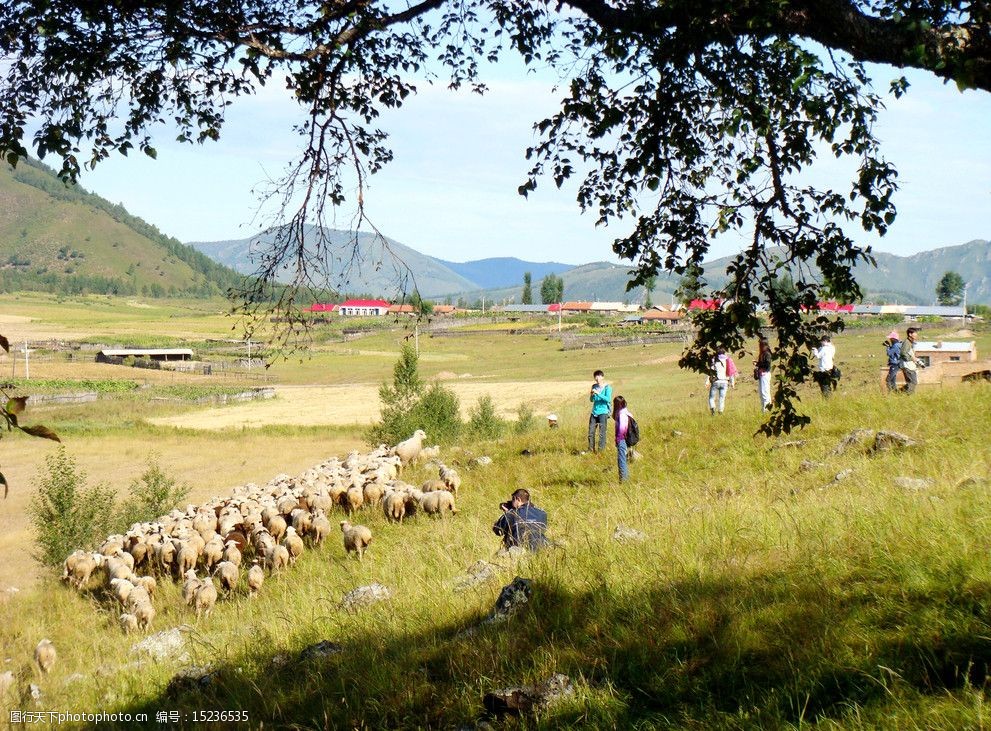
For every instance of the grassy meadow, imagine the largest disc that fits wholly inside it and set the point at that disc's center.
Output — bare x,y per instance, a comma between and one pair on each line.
765,593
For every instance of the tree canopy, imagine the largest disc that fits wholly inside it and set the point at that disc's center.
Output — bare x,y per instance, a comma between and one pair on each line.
684,121
949,290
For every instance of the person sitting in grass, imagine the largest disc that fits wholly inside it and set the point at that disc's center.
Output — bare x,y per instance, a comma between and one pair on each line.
522,523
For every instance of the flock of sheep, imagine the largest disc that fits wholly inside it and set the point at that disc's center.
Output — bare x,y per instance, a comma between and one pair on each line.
263,528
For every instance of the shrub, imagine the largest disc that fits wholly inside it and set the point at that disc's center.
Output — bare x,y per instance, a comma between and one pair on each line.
153,494
439,414
524,418
483,422
406,407
65,514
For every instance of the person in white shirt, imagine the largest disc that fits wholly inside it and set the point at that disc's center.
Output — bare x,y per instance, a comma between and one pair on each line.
827,374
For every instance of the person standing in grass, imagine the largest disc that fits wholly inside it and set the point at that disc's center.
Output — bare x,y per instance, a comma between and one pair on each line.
762,373
893,349
722,376
621,416
909,363
601,397
826,374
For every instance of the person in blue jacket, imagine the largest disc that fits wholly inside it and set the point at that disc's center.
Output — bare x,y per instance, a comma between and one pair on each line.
893,349
601,397
522,523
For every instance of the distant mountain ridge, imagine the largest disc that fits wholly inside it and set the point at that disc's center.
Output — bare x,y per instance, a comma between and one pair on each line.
504,271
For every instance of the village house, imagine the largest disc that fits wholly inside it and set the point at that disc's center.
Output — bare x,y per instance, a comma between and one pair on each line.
363,308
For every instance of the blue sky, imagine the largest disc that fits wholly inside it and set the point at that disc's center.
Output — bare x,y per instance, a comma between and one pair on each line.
451,191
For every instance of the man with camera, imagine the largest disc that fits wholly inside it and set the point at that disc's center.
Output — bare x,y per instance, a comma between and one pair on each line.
521,523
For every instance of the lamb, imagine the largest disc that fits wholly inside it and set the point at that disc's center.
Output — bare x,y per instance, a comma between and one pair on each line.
185,559
301,521
256,577
137,597
44,655
356,538
121,589
144,613
409,450
231,553
213,552
435,503
148,583
292,543
433,486
205,598
128,622
228,574
319,528
277,527
353,499
277,558
394,505
189,587
450,477
79,569
372,493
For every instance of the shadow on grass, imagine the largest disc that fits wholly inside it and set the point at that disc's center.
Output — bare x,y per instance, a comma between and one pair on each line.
761,651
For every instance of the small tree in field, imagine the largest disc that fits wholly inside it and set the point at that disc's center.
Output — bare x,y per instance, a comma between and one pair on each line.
949,291
65,514
153,494
527,298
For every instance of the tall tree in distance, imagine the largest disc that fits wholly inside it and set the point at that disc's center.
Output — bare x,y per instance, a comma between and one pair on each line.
527,298
949,290
552,289
649,285
680,122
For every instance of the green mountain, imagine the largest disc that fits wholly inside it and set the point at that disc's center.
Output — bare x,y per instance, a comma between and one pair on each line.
896,279
360,262
65,239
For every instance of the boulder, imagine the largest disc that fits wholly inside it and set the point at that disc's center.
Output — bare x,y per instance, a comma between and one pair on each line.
364,596
194,677
162,645
324,648
808,465
513,596
624,534
888,440
913,483
527,699
476,574
854,438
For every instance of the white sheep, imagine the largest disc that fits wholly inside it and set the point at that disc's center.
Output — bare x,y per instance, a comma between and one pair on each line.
293,543
148,583
121,589
189,587
450,477
228,574
44,655
435,503
206,597
277,558
372,493
409,449
394,505
430,452
145,614
256,577
319,527
356,538
231,553
128,622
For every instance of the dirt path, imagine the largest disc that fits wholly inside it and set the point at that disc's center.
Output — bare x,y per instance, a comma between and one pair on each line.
359,404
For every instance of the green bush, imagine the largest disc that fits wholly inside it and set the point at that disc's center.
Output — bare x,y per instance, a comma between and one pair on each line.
67,515
483,422
524,418
406,407
153,494
439,414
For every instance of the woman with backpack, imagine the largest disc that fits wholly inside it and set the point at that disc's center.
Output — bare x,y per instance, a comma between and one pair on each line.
762,373
722,374
622,417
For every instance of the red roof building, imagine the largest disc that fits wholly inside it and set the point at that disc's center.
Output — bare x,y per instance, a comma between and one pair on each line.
363,308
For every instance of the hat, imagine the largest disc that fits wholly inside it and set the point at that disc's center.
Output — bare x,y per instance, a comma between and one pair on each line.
893,335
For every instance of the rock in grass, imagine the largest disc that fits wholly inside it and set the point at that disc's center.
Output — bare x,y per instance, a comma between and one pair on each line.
195,677
624,534
838,477
323,648
513,596
526,699
913,483
478,573
162,645
888,440
363,596
972,481
481,461
794,444
854,438
808,465
513,553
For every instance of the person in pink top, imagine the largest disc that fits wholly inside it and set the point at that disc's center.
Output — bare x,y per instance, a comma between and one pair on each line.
622,418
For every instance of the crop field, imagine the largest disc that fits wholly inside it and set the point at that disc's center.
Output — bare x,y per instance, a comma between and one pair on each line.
772,583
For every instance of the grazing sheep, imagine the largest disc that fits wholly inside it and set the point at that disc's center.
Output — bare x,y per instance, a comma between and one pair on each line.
277,558
256,577
138,596
319,528
433,486
121,589
189,587
128,622
148,583
126,557
44,655
451,478
277,527
231,553
394,505
409,450
117,569
301,521
213,552
372,493
228,574
435,503
82,567
165,555
145,614
185,559
205,598
293,543
430,452
356,538
353,499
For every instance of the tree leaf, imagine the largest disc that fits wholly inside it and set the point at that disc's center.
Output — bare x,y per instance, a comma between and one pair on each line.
4,343
16,405
6,487
40,431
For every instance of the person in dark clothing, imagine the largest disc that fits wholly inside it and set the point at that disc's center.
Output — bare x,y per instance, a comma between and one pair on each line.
522,523
893,349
